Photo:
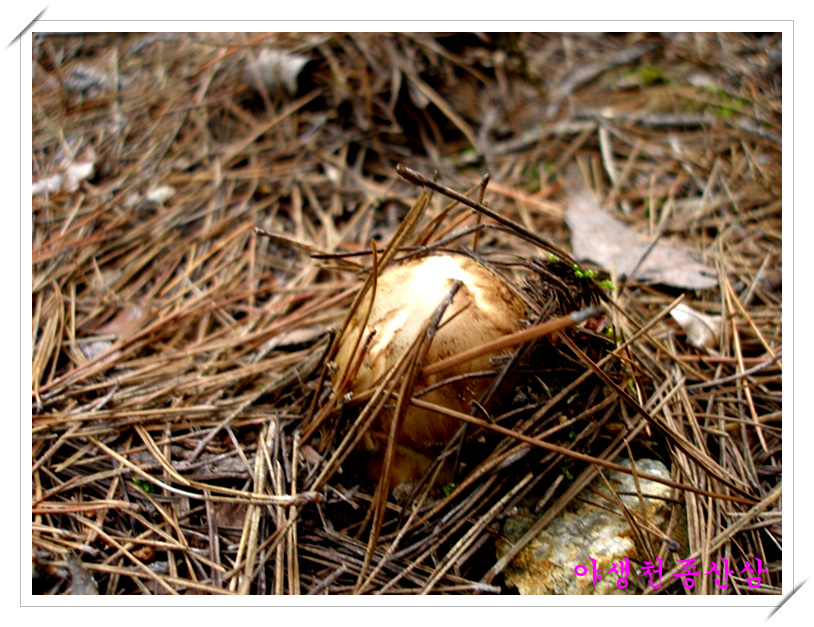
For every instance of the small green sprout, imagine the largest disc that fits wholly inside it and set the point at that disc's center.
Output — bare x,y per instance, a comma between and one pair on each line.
567,474
607,284
553,258
584,274
449,489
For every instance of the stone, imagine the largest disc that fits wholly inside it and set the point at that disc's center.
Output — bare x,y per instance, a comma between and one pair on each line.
590,527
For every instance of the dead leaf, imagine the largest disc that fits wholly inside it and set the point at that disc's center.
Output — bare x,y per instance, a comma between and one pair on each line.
230,515
702,331
144,554
67,180
126,321
311,455
160,194
82,582
275,70
599,237
92,350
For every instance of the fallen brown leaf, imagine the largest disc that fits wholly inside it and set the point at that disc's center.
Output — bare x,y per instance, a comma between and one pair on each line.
702,331
599,237
82,582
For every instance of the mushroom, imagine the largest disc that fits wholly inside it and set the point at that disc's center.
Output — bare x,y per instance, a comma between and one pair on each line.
484,308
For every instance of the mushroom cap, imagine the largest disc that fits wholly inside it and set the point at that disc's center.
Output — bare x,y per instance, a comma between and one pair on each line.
407,295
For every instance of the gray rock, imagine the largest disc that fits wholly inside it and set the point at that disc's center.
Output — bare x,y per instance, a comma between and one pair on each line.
590,527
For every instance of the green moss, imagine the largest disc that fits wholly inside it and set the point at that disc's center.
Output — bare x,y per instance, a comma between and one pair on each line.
725,112
146,486
650,75
724,104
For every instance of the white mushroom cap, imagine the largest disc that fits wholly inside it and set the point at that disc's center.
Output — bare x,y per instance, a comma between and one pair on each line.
407,296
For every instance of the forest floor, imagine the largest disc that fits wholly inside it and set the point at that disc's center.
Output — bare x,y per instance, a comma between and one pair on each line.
185,438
